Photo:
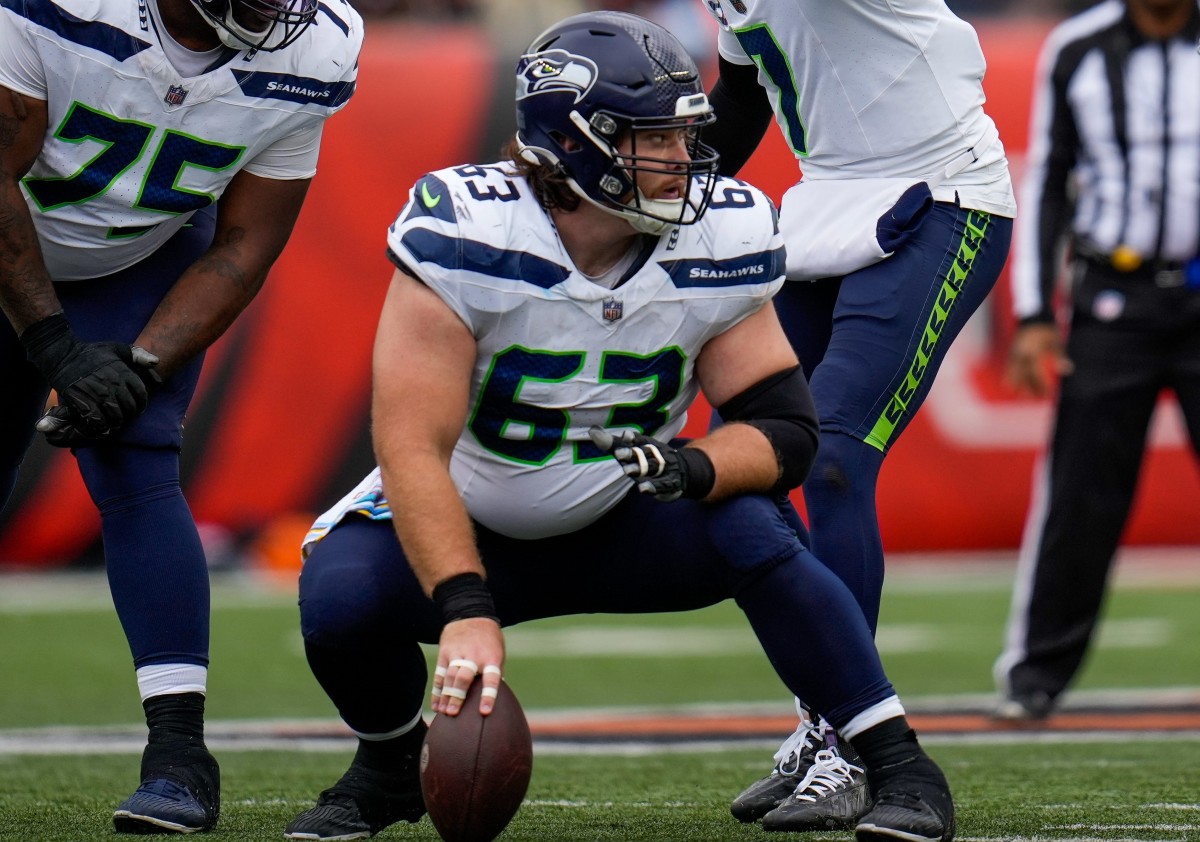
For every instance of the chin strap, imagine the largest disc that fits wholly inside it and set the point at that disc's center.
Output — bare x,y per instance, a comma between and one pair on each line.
646,224
670,209
639,221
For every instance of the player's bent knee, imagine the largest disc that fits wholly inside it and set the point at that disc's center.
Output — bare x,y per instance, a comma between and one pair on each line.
751,535
335,606
829,475
843,465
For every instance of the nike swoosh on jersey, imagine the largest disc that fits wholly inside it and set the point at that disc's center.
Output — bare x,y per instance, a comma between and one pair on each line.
428,198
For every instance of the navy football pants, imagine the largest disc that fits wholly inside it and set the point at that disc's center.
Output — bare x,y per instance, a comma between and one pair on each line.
363,612
1087,483
154,559
871,343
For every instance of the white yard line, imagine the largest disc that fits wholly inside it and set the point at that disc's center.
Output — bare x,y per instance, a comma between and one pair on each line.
48,745
333,736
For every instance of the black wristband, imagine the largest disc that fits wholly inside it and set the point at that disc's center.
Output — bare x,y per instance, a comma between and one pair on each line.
45,332
699,472
464,596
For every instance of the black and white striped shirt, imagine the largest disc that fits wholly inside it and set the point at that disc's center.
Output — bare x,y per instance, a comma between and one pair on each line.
1114,150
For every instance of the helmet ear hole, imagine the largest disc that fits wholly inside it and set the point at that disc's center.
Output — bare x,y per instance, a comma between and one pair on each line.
568,144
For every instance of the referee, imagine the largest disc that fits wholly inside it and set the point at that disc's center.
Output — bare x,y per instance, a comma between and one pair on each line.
1113,173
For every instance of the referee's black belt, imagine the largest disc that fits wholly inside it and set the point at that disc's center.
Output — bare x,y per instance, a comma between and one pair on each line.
1161,273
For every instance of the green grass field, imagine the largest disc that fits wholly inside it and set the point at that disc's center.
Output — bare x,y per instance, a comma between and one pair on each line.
1120,791
64,663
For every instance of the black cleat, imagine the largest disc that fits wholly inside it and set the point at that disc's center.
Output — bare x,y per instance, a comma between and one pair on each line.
833,795
358,806
1024,707
914,806
180,792
792,762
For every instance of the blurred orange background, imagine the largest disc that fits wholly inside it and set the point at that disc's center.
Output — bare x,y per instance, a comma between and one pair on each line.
279,429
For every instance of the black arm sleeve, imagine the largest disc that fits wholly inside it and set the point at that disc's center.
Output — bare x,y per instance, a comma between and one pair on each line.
1056,207
781,406
743,112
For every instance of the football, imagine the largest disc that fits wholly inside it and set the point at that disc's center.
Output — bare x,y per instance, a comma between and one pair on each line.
475,769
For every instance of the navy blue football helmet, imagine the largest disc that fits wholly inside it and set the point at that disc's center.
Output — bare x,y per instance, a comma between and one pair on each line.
258,24
591,80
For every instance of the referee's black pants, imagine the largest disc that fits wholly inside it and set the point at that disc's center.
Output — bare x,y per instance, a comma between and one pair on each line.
1130,338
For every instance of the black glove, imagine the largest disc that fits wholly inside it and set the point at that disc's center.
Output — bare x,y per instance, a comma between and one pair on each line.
658,468
62,428
105,384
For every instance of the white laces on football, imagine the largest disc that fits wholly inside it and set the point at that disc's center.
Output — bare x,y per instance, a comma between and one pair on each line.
829,772
804,737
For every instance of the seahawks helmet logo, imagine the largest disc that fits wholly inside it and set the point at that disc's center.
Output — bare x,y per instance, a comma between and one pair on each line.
555,70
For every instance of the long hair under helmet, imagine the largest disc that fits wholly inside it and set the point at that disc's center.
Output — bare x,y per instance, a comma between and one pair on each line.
587,82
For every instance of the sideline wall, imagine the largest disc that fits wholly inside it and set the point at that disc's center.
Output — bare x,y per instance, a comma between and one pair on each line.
279,428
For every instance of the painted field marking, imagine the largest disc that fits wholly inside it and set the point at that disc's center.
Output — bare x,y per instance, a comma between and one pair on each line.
639,732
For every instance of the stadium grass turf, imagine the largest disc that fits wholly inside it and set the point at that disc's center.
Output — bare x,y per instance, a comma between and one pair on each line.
66,663
1130,790
72,666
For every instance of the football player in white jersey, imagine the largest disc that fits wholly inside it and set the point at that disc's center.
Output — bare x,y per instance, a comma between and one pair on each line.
122,124
896,232
550,320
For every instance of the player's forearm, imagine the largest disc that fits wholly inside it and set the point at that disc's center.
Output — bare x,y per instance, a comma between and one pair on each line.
743,460
201,306
212,293
26,292
778,421
430,520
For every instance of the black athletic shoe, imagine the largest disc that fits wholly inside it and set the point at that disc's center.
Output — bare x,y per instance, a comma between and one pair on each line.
1024,707
792,762
914,806
360,805
833,794
180,792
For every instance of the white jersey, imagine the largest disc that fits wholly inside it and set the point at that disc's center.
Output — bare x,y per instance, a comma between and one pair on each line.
133,148
558,353
874,88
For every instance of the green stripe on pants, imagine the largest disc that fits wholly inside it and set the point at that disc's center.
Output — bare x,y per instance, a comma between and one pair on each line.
977,224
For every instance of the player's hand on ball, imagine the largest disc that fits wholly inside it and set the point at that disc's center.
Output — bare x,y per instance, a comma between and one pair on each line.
656,467
468,648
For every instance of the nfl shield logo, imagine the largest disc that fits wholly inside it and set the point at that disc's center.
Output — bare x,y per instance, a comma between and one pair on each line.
739,5
613,309
176,94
